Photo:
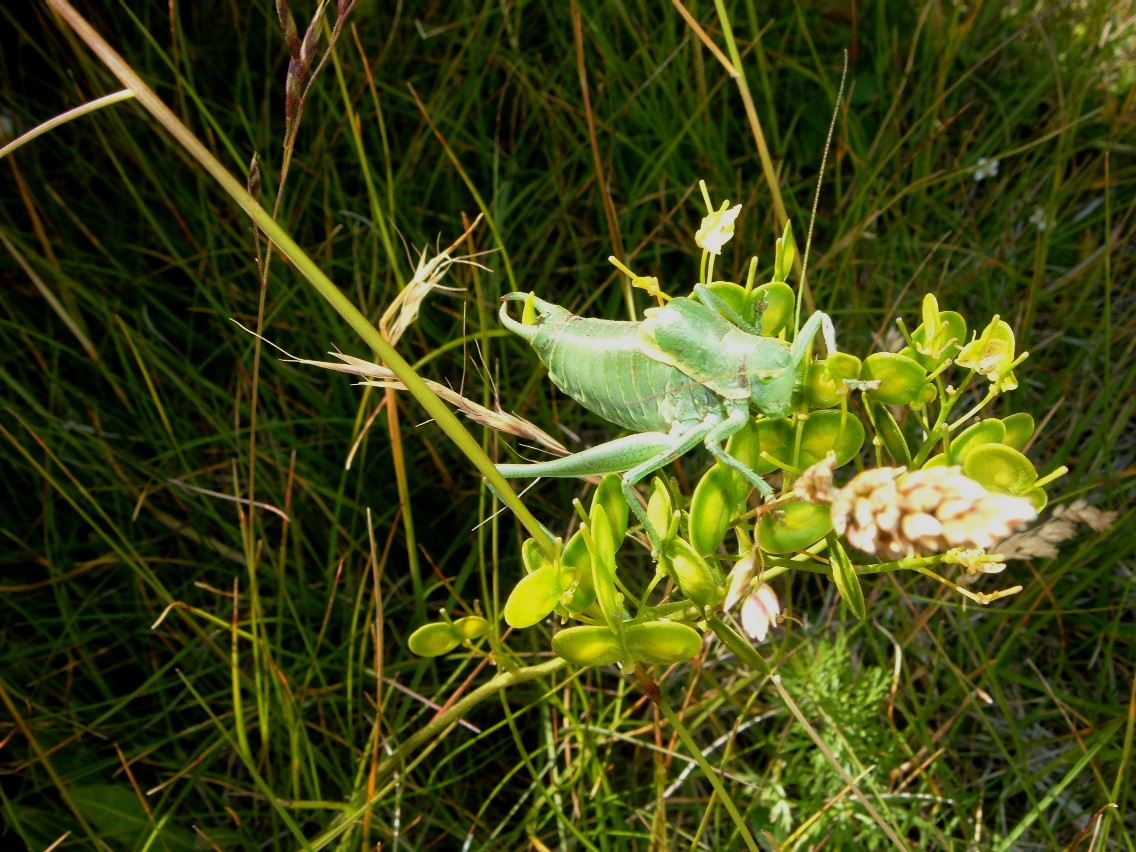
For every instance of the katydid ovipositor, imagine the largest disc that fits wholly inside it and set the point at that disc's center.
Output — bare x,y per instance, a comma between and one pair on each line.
685,375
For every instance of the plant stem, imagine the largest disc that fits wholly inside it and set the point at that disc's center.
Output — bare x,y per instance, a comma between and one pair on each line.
709,771
434,730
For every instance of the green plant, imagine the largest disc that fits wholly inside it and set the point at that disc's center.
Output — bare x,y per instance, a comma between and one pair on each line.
945,488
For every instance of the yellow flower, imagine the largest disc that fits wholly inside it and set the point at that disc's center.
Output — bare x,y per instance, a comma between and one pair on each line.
717,228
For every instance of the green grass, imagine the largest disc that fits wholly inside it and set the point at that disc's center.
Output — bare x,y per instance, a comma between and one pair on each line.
177,669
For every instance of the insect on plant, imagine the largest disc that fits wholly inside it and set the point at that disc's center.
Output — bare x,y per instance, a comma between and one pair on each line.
732,367
691,372
694,371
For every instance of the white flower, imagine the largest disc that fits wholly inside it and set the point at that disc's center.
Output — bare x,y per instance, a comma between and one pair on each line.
985,168
759,612
717,228
1040,219
760,608
738,582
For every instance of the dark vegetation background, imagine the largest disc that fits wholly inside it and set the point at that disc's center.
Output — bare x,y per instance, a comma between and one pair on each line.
248,716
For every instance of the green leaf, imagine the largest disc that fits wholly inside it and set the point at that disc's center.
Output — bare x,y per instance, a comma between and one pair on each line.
1000,469
793,526
434,639
534,597
990,431
587,645
846,579
901,379
662,642
1019,429
711,508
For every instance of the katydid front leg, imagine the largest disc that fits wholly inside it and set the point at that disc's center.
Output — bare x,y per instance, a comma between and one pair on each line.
821,322
735,422
713,431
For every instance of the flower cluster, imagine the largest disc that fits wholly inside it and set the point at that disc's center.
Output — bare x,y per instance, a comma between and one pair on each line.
896,514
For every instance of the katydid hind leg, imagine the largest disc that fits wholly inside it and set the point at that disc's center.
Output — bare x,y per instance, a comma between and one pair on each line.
616,456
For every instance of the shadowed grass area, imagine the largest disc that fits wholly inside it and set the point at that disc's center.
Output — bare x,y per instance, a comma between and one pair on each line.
206,609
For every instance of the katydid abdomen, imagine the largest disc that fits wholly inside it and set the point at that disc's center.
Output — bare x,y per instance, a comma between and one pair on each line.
599,363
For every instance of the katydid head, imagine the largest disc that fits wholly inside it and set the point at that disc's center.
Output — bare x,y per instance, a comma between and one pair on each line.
773,368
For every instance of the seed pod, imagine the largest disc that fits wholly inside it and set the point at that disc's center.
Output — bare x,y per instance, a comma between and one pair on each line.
711,509
609,494
989,431
534,556
793,526
433,640
745,446
774,302
659,506
1003,470
846,579
471,627
610,602
732,296
889,432
699,579
1019,429
587,645
662,642
838,432
824,385
576,565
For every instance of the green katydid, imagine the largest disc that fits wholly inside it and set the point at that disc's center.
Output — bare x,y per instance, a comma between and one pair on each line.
687,374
